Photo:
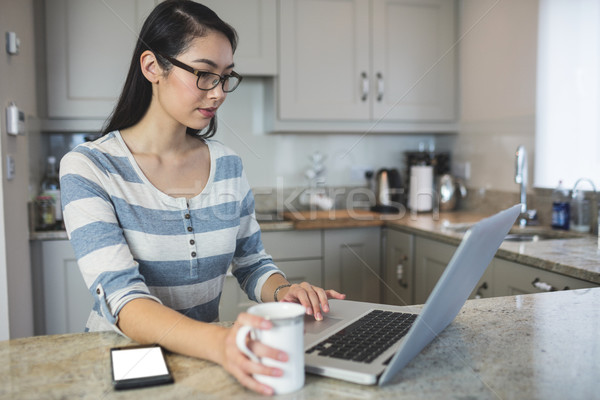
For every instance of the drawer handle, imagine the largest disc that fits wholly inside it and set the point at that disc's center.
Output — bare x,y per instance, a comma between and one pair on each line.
379,86
479,294
365,86
543,286
400,272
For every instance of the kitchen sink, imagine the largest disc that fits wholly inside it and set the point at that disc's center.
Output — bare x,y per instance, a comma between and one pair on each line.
537,234
527,237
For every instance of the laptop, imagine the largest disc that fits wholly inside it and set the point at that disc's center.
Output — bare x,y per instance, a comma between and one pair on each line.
340,346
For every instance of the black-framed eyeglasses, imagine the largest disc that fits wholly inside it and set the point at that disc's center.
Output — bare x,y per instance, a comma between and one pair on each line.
209,80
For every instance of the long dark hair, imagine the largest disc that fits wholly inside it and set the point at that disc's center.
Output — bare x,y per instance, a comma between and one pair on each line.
168,30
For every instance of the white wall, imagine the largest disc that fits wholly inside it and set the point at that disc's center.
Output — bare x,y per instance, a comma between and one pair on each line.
497,66
17,83
273,160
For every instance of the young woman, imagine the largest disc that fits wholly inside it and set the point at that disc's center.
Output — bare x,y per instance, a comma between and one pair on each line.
156,211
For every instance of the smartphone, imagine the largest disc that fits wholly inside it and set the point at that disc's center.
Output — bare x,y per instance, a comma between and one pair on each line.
139,366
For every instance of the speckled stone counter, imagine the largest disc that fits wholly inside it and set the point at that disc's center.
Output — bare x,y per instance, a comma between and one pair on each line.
568,253
543,346
575,257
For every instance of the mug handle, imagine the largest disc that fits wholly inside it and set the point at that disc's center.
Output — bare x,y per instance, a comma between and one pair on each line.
240,341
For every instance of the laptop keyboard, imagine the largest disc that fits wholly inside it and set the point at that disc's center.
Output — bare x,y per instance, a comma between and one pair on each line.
367,338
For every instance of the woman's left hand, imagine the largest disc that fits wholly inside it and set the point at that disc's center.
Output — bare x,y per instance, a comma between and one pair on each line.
313,298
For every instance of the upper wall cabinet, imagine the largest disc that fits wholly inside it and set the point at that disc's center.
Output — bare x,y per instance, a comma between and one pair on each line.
388,64
90,43
256,24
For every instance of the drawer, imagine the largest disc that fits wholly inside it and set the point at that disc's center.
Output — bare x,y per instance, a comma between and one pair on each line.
298,271
293,245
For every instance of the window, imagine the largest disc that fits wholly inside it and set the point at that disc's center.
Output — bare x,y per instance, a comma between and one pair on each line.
567,142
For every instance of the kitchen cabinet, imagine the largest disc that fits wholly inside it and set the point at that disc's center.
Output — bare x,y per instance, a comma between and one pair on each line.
256,24
62,302
512,279
398,274
89,45
298,254
371,61
351,262
431,259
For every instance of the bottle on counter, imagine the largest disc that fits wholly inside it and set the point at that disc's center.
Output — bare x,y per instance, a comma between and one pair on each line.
45,215
50,187
581,215
560,207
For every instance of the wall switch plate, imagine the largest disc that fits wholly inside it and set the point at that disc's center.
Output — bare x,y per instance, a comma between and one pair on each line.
10,167
15,120
12,43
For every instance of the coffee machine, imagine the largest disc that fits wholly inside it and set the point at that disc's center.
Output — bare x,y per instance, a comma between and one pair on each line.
422,168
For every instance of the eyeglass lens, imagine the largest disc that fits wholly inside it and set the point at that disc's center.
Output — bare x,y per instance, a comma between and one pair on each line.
208,81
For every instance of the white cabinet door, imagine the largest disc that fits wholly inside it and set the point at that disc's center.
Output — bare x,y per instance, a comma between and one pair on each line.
89,45
361,60
324,59
256,24
511,279
352,262
431,259
413,60
67,303
398,286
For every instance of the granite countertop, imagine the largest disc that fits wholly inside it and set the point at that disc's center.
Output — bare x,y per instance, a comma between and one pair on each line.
568,253
572,254
506,347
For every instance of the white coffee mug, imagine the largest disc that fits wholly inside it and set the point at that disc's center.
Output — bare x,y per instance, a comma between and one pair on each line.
287,334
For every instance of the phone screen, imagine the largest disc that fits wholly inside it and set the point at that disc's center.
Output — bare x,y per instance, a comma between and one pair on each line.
138,366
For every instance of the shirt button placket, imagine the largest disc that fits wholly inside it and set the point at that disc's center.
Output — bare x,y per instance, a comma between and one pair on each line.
188,222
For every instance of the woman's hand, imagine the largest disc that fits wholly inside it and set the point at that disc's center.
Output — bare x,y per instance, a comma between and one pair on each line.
240,366
313,298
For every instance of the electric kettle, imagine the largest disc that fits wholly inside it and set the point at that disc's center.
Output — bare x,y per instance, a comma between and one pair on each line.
450,189
388,191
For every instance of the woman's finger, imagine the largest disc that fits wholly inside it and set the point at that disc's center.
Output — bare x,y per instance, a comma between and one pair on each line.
243,376
299,294
313,299
322,298
252,320
262,350
332,294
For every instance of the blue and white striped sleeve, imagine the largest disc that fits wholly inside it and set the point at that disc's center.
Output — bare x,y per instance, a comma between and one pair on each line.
104,258
252,266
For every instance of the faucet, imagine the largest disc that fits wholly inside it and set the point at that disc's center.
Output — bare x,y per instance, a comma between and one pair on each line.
521,178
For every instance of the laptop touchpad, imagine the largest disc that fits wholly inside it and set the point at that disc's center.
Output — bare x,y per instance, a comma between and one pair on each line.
313,326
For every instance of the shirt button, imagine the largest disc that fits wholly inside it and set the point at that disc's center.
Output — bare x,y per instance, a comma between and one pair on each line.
190,229
187,216
193,254
192,241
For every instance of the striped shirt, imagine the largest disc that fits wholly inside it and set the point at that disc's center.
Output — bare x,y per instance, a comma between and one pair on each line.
131,240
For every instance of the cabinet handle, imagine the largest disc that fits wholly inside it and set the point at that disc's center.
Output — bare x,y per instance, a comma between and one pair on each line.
479,294
379,86
365,86
400,272
543,286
